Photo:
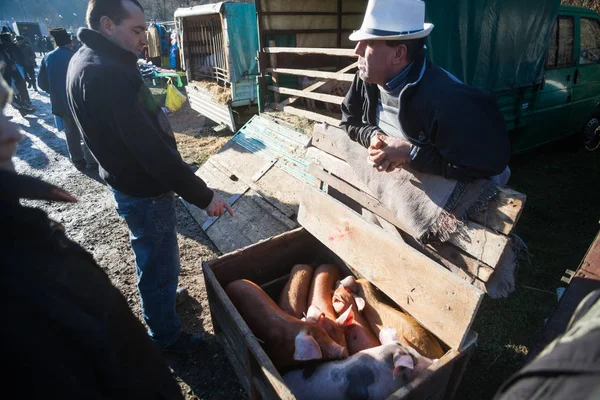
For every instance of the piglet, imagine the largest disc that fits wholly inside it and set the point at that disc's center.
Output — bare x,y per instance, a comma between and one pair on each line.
380,315
369,374
319,298
358,333
287,340
294,297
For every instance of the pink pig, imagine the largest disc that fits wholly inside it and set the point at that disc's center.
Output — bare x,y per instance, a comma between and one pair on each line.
286,339
374,373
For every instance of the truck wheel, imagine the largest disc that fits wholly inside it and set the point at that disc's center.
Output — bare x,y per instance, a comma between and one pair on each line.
591,133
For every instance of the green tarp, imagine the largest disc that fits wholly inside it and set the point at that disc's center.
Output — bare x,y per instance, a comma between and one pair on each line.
243,40
494,44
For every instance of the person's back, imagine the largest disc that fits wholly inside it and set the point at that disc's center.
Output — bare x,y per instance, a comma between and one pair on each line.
52,78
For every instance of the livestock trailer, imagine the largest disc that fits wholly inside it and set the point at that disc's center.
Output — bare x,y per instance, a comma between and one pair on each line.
218,45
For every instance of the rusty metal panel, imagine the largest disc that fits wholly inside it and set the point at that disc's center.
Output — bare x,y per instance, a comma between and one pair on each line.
202,101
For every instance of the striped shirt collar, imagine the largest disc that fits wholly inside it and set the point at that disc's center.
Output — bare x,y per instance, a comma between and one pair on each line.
399,80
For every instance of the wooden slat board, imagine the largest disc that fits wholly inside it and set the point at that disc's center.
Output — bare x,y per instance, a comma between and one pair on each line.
304,50
310,95
438,299
263,208
255,220
502,212
312,73
314,116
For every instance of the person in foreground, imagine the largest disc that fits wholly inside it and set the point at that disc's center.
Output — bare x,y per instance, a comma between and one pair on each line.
68,332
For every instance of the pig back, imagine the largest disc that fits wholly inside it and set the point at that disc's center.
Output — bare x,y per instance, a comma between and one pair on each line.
294,297
381,315
322,287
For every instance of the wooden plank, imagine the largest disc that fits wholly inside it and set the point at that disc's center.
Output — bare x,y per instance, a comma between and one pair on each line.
306,114
268,371
481,243
337,167
220,181
309,50
274,75
276,186
317,85
322,141
312,73
446,250
475,240
442,302
254,221
504,211
310,95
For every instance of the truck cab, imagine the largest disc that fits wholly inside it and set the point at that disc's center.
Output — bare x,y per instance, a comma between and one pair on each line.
568,98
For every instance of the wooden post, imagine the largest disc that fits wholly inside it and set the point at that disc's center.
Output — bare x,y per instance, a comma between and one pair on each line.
274,75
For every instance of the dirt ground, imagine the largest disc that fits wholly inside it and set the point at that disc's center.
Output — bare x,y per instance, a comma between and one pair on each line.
94,223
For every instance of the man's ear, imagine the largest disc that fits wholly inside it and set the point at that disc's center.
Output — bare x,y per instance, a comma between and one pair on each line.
401,54
106,25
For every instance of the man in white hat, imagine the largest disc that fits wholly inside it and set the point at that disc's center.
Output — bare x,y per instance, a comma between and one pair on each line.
407,110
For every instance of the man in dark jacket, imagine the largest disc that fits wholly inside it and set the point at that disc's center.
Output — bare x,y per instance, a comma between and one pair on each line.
407,110
52,79
69,333
28,62
12,56
132,139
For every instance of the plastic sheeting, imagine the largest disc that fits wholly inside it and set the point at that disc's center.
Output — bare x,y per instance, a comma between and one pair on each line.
491,44
242,32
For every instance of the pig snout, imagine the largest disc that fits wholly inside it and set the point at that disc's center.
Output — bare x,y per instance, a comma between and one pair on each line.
334,329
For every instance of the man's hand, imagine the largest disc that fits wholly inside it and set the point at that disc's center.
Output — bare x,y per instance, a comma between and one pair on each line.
387,153
217,207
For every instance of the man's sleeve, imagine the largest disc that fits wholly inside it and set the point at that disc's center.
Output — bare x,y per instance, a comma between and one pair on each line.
136,122
468,140
43,77
352,113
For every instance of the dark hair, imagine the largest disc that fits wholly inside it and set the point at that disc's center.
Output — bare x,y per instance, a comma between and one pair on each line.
112,9
414,48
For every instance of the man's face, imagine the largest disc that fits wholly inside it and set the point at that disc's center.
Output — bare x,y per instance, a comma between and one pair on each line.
375,61
130,34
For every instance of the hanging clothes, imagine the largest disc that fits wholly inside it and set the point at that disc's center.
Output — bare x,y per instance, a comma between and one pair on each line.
153,41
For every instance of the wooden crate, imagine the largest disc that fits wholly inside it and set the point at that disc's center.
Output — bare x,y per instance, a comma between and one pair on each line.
442,302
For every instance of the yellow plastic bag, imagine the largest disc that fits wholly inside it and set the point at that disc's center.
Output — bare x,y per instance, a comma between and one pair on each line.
175,98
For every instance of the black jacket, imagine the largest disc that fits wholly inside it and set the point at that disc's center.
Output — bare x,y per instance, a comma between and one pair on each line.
124,127
68,333
457,131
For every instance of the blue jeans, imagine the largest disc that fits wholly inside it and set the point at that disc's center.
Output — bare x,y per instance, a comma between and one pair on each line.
151,222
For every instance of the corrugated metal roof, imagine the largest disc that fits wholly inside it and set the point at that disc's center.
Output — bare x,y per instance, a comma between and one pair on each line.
206,9
274,141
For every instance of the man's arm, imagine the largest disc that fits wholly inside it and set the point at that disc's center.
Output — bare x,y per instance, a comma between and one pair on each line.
352,114
135,121
468,140
43,77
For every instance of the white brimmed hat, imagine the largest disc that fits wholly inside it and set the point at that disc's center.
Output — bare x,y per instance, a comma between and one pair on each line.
393,20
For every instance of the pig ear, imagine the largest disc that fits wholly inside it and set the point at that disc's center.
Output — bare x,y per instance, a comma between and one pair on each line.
314,312
402,361
360,302
307,348
347,318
